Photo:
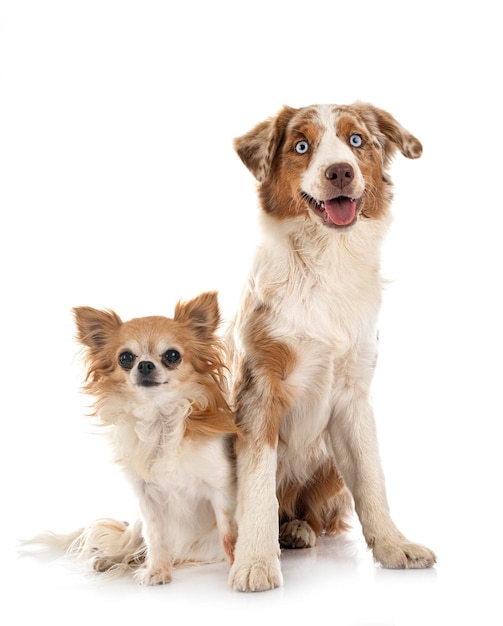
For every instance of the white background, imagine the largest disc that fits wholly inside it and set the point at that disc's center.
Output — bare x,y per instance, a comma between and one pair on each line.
119,188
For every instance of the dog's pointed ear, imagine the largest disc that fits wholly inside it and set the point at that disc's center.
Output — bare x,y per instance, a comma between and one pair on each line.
258,147
94,327
394,135
202,314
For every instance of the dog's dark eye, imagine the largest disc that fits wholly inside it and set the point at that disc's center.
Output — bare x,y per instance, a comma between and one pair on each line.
356,141
302,147
171,357
126,360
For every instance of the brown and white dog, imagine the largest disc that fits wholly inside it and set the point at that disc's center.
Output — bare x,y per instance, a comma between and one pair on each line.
306,338
159,386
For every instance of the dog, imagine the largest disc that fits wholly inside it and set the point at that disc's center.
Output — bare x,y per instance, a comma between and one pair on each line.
305,338
160,387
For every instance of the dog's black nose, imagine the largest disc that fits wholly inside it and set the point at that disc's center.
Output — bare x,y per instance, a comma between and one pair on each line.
340,174
146,367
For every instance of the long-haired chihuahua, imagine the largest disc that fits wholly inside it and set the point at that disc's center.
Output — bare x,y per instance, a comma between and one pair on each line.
159,385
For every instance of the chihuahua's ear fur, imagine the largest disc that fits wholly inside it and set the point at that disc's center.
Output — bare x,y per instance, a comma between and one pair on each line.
94,326
201,314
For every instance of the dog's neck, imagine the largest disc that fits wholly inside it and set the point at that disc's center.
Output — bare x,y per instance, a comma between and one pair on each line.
146,430
320,253
327,284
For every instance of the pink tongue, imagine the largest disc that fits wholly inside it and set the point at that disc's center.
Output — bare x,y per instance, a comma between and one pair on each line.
341,210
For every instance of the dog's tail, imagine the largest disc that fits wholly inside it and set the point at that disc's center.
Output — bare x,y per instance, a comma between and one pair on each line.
109,546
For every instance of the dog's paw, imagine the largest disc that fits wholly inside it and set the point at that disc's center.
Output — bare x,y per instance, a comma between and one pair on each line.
154,576
103,564
258,575
403,554
296,534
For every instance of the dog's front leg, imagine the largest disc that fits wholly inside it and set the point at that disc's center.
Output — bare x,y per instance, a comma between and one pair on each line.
256,564
224,508
262,399
157,568
355,444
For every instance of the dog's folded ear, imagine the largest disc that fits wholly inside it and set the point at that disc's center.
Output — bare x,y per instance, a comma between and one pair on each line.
258,147
202,314
94,326
393,135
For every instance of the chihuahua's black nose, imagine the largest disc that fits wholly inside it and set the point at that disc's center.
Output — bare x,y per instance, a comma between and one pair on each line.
146,367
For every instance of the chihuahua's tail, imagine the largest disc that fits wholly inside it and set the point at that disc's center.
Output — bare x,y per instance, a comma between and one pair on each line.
109,546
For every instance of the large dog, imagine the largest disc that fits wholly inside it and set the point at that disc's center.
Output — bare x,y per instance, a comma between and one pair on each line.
306,338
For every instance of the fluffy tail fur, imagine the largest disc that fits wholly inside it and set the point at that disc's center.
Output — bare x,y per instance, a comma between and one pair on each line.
109,546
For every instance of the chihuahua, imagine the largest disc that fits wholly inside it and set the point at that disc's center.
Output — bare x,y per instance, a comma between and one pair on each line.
159,385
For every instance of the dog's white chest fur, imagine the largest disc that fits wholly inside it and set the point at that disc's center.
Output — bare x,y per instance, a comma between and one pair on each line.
150,442
176,479
327,286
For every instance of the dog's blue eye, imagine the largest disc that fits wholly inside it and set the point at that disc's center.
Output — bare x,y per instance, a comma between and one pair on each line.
356,141
126,360
171,357
301,147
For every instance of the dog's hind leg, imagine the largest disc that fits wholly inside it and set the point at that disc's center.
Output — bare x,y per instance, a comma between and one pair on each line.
296,534
321,506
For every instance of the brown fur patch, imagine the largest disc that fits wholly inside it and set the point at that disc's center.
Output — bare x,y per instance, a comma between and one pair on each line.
321,502
280,193
391,134
260,391
378,190
258,147
216,418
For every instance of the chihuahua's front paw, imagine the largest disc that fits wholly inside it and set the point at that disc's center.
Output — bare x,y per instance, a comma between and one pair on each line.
403,554
154,576
256,575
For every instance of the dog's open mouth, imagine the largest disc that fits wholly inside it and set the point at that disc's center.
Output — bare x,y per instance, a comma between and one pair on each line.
339,212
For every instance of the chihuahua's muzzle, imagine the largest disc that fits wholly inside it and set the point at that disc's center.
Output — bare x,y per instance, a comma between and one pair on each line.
146,374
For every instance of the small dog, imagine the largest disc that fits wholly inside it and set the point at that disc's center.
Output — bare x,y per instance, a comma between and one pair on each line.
306,338
160,385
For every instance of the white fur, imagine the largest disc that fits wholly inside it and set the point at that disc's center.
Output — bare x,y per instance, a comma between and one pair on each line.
185,488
